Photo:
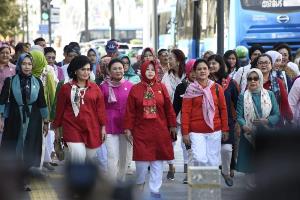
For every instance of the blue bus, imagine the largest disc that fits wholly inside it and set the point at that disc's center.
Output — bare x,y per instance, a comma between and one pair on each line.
266,22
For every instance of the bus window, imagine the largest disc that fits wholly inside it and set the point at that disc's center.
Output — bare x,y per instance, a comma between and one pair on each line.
271,5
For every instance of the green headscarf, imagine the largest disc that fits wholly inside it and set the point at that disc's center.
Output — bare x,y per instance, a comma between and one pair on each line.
39,63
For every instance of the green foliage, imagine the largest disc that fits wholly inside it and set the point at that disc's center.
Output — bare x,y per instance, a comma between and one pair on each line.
9,18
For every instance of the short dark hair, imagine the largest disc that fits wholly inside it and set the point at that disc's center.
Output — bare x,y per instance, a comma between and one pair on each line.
222,71
161,51
48,50
74,49
255,61
113,61
255,47
199,60
20,47
279,46
37,40
66,48
77,63
74,44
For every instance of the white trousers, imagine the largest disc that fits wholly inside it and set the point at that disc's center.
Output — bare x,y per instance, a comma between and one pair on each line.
79,153
184,151
117,146
156,174
206,148
49,146
226,154
101,155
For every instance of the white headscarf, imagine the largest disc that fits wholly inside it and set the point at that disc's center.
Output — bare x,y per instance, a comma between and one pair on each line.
266,104
274,55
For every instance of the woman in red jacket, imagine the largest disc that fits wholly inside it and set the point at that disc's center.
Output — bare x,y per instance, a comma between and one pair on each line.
204,117
150,121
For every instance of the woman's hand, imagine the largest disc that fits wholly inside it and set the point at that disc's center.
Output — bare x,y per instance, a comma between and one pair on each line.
45,128
128,135
103,133
173,133
1,124
225,136
186,139
246,129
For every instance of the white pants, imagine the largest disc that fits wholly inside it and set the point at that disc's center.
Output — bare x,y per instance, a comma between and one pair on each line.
226,154
206,148
101,155
49,146
184,151
116,156
79,153
129,154
156,174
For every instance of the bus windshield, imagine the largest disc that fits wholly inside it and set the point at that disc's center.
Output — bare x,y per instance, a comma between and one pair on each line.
271,5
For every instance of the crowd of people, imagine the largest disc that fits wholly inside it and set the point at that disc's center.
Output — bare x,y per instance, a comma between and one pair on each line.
110,111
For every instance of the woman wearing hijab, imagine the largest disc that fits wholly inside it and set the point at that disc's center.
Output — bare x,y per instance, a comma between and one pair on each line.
277,72
276,85
46,74
24,114
218,73
204,117
256,107
94,58
80,112
177,104
115,91
129,73
294,101
150,123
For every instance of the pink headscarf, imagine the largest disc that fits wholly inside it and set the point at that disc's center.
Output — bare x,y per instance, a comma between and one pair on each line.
208,105
189,66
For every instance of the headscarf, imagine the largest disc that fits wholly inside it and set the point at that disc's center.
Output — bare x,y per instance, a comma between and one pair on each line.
97,59
274,55
145,50
39,63
149,101
189,66
20,61
208,105
130,72
113,84
250,111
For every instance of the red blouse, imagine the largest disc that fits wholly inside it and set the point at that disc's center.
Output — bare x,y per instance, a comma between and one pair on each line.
86,127
284,107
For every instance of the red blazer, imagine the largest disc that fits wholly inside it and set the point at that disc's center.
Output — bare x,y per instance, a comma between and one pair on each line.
192,119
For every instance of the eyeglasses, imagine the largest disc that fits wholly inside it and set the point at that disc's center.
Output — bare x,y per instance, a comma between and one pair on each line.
264,63
51,57
255,78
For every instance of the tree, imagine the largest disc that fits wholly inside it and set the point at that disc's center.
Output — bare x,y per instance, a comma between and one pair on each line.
9,18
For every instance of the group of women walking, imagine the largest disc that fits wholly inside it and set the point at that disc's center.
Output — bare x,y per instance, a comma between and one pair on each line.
136,113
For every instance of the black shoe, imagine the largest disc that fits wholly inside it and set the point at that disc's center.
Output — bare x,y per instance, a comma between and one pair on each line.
48,166
27,188
53,164
171,175
228,180
185,181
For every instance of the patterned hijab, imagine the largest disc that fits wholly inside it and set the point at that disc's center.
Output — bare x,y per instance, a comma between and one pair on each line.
149,101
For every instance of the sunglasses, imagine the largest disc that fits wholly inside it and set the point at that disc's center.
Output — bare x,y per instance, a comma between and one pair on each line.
255,78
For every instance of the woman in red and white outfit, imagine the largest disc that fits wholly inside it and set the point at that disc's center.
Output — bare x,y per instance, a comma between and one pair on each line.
80,111
150,121
204,117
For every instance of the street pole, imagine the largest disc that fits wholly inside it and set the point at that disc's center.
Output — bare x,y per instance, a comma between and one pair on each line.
196,28
220,27
155,26
27,22
86,21
112,20
49,25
